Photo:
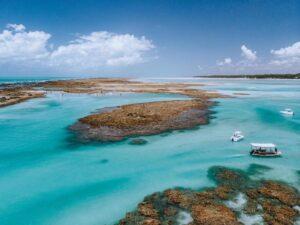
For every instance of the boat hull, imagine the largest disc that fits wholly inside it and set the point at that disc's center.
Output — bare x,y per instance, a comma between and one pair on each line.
236,139
255,154
287,113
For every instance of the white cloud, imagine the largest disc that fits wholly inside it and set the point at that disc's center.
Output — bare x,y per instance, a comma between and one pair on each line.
102,49
248,53
93,51
17,45
226,61
15,27
287,56
287,52
283,60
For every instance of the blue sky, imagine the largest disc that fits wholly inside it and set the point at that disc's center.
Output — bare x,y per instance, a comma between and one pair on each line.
148,38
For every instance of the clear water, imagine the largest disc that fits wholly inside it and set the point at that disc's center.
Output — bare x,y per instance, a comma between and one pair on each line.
18,79
47,178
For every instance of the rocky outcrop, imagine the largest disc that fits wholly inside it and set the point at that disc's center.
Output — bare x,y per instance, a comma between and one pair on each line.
274,202
142,119
213,214
14,95
107,85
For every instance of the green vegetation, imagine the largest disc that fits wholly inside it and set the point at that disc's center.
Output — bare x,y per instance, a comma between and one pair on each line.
257,76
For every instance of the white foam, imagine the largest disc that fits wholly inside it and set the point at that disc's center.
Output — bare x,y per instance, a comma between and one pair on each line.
259,207
251,219
297,207
238,155
238,203
184,218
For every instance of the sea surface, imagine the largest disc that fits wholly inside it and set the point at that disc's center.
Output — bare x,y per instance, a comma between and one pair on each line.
47,177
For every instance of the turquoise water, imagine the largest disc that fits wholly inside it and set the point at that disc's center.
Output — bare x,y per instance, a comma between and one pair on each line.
16,79
48,178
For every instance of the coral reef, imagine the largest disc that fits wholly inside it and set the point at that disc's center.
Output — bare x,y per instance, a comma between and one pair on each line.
138,141
142,119
13,93
11,96
235,199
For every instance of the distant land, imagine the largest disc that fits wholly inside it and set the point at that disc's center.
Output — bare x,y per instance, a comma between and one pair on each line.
257,76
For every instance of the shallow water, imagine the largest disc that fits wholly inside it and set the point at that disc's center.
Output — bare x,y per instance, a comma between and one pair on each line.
48,178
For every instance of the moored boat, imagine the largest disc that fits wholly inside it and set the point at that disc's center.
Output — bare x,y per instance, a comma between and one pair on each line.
287,111
237,136
264,150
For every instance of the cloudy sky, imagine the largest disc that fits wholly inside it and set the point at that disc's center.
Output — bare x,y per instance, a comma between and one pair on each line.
148,38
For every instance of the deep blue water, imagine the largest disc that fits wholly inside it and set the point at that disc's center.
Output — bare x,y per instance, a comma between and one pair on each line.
48,178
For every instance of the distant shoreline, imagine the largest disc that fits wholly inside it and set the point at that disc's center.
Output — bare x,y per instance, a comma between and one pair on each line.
256,76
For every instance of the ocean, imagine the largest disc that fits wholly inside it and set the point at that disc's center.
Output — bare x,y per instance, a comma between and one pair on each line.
47,177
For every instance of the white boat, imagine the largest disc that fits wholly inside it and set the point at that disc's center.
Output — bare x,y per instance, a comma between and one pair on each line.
237,136
289,112
264,150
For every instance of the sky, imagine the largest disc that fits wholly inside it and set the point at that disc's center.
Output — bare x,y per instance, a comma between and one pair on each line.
148,37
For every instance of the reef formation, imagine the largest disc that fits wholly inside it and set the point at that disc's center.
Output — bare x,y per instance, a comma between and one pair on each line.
142,119
12,93
237,199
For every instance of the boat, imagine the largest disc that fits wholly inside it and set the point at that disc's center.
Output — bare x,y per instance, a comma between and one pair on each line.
287,111
264,150
237,136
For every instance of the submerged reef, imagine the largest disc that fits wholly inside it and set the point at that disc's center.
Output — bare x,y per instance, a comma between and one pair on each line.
138,141
237,199
13,93
142,119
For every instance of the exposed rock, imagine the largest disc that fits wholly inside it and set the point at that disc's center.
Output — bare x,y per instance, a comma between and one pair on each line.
170,211
213,214
11,96
22,91
142,119
251,207
278,214
150,221
223,192
283,193
270,202
107,85
178,197
146,209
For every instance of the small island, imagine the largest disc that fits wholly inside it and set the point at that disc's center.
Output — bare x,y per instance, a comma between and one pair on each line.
142,119
124,121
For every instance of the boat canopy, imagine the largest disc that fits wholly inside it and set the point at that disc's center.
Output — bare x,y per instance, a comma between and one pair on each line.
263,145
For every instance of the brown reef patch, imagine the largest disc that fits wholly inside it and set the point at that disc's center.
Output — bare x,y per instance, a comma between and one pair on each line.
14,95
17,92
142,119
273,201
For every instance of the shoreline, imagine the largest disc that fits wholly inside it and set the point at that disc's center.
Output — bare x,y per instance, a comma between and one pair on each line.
99,85
128,120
